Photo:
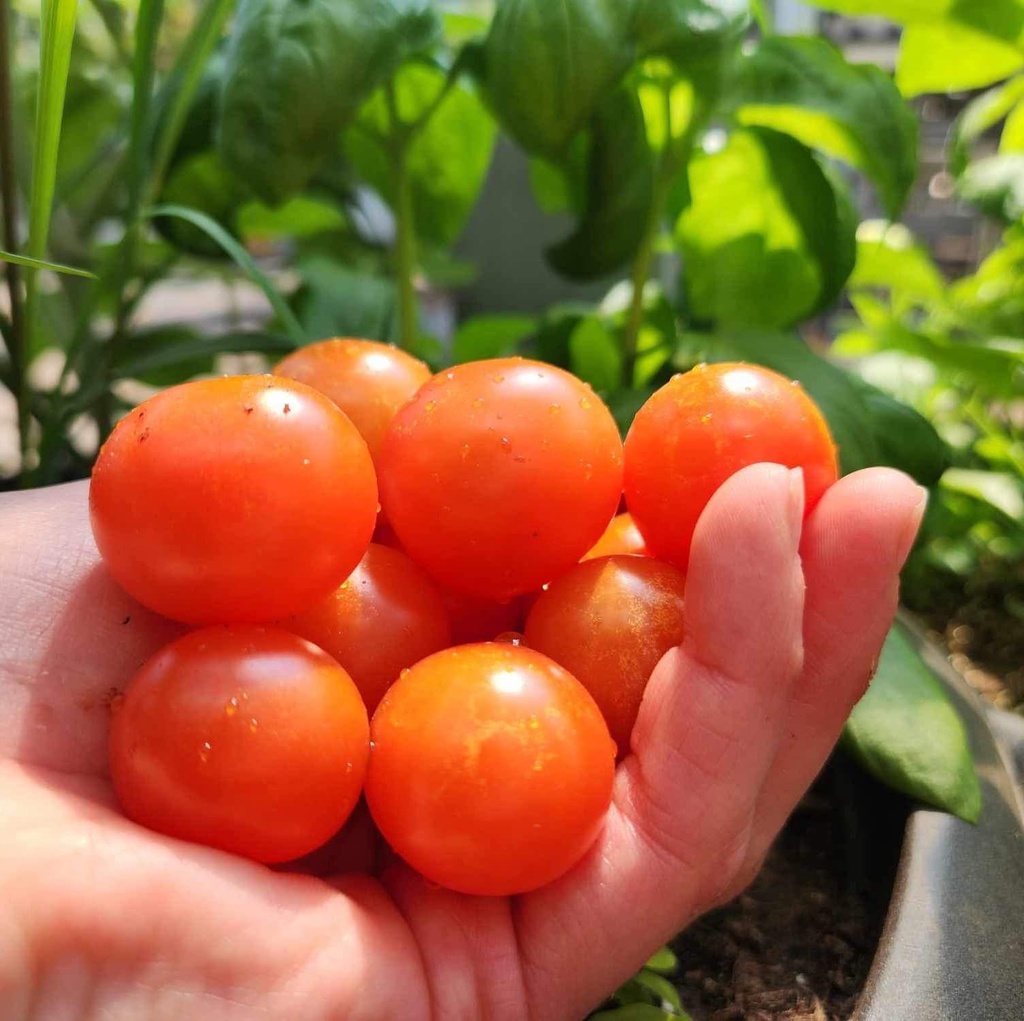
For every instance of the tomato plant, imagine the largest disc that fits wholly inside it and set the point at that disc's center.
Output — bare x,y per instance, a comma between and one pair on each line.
244,738
491,769
499,474
241,499
705,425
369,381
620,537
386,615
609,621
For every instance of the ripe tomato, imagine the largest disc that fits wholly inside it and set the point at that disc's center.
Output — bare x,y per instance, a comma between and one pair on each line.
386,616
608,621
242,499
499,475
491,769
479,620
620,537
368,380
706,425
241,737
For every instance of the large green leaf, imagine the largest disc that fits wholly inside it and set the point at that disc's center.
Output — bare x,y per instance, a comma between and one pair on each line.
906,732
869,427
765,239
620,182
1002,19
447,159
693,34
853,112
335,301
950,56
493,336
996,186
296,75
888,258
549,65
595,357
978,116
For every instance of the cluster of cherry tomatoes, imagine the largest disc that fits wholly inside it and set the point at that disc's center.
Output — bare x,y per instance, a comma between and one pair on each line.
415,587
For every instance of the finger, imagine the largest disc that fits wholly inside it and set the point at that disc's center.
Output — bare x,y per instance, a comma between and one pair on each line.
69,637
854,545
707,731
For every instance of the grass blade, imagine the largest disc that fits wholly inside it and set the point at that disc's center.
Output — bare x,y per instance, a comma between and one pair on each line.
242,259
57,35
55,267
180,87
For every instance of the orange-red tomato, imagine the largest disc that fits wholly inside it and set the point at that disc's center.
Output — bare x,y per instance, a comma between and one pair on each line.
474,619
620,537
500,474
491,769
386,616
706,425
243,738
608,622
368,380
242,499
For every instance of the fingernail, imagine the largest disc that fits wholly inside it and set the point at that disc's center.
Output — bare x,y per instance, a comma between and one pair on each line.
795,503
913,525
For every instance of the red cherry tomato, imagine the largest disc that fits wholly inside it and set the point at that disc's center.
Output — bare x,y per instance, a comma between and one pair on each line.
620,537
368,380
491,769
480,620
243,738
386,616
608,621
499,475
706,425
241,499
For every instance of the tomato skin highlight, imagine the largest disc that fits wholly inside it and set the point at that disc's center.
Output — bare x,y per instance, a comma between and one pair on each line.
386,616
620,537
609,621
500,474
235,500
368,380
491,769
243,738
704,426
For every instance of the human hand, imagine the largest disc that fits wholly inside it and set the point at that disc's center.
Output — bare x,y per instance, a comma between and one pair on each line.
102,918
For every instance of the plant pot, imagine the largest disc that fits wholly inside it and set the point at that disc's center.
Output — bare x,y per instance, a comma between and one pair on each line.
953,942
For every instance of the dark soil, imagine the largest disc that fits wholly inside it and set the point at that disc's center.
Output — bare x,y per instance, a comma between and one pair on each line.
798,945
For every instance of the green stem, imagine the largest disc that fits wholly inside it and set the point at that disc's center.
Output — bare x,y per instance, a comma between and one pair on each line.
9,212
405,227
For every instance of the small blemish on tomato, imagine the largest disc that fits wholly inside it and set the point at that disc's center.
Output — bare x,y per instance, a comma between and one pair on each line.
286,409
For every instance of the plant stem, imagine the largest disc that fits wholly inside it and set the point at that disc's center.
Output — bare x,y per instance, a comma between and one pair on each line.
9,213
405,227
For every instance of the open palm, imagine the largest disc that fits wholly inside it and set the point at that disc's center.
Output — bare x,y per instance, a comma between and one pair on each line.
102,919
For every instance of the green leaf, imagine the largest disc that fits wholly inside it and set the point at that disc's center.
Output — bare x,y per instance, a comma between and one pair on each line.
852,112
978,116
1000,490
242,259
204,184
172,354
53,267
620,184
660,988
493,336
56,37
549,65
447,159
906,732
297,74
949,56
996,186
1013,130
784,249
889,258
693,34
595,355
664,961
303,216
178,92
334,301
